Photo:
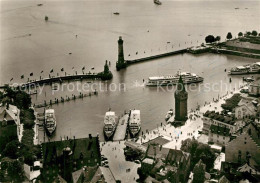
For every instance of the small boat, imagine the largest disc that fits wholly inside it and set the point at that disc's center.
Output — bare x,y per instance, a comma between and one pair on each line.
157,2
39,4
236,8
168,42
109,124
249,79
169,115
50,121
116,13
134,122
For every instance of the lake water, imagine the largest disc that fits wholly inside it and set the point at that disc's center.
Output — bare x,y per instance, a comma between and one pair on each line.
29,44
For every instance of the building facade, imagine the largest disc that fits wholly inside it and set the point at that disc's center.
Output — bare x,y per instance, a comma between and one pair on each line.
245,145
219,135
212,118
245,109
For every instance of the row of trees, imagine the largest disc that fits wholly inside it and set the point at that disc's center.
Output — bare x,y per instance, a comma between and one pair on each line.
248,33
212,39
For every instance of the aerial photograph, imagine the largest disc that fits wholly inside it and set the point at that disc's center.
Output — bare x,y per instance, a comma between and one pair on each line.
126,91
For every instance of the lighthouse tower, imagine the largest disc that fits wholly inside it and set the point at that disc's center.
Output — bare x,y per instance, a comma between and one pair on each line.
181,97
121,60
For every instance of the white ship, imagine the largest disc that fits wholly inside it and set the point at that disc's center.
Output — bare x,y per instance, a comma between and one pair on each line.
109,124
50,121
246,69
187,78
134,122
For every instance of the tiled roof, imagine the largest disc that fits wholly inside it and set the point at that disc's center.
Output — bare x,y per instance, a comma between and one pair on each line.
78,147
104,174
157,151
158,140
177,156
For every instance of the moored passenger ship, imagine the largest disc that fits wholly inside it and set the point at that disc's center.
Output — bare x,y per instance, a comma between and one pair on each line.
187,78
50,121
134,122
109,124
246,69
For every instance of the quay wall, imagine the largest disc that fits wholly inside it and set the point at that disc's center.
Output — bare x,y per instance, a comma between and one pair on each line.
237,53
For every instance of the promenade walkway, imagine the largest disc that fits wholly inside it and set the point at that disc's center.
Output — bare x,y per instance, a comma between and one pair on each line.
120,132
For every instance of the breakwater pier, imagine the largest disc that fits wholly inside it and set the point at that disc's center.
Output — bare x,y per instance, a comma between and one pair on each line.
61,79
139,60
64,99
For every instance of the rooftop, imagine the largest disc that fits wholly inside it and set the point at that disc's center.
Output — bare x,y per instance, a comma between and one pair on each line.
220,130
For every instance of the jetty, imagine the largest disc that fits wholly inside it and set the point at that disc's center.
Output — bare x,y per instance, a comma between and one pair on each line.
105,75
176,52
60,79
120,133
63,100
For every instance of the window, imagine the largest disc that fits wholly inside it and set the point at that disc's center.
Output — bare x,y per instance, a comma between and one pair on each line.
245,142
223,138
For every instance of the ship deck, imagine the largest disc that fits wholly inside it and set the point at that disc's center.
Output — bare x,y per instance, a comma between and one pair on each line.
120,132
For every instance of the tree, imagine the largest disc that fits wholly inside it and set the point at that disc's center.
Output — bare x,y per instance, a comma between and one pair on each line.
217,38
254,33
15,170
199,151
248,33
210,39
199,173
229,36
240,34
11,149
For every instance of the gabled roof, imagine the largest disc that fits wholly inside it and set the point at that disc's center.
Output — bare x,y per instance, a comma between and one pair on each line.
252,130
9,114
78,147
149,179
156,151
158,140
103,174
248,102
177,156
223,179
248,168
